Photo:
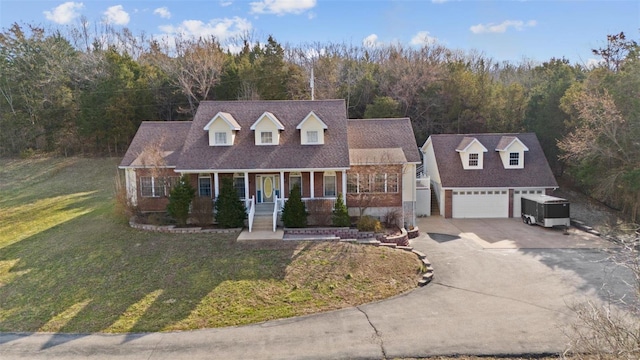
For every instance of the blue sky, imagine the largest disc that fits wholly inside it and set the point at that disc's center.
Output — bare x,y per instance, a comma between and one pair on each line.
503,30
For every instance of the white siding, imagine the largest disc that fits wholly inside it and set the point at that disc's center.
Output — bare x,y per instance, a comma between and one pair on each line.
408,182
131,185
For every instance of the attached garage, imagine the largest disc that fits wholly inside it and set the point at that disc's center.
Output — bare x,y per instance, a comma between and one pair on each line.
480,203
517,194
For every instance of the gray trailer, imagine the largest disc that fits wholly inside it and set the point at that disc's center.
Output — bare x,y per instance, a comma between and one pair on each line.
544,210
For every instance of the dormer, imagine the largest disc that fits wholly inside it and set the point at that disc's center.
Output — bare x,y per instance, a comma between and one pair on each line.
511,151
471,153
222,129
267,129
312,130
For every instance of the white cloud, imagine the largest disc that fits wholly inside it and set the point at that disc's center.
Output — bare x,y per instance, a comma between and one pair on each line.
439,1
116,15
502,27
221,29
371,41
163,12
225,3
594,63
64,13
422,38
281,7
311,15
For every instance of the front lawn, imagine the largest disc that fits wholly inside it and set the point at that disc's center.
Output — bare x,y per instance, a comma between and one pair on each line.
69,264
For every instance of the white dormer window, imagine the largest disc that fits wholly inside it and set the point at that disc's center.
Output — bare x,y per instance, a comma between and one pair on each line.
312,130
514,159
511,151
222,129
267,129
312,137
221,138
473,160
471,153
266,137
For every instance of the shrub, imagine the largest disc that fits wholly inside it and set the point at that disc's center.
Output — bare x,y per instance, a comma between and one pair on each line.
202,211
340,216
392,218
369,223
294,213
230,211
180,199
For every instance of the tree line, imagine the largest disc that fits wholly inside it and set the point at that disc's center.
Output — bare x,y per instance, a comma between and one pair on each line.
80,92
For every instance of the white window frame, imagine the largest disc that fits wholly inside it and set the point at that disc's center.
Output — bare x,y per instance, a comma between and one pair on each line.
263,135
474,160
312,137
324,185
515,158
208,177
220,138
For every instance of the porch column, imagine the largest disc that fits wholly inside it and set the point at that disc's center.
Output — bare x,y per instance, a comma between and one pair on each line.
246,185
216,185
311,185
282,185
344,186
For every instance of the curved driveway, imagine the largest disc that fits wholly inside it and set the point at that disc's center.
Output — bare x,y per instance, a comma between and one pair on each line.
486,298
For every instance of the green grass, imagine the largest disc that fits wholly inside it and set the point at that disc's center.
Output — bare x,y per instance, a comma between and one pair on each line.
69,264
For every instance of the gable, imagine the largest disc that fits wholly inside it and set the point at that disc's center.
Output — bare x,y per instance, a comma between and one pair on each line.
222,129
312,130
267,129
471,153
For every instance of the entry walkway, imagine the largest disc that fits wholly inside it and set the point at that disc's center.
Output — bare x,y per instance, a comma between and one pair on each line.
261,235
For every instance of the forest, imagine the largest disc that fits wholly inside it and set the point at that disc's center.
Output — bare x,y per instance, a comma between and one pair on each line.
79,91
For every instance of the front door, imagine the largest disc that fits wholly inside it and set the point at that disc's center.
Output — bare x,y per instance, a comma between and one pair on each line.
268,188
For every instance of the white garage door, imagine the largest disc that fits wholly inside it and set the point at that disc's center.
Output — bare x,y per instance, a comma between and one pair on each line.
517,195
480,204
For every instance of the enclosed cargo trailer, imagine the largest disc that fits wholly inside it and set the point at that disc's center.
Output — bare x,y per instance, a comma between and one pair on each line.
545,210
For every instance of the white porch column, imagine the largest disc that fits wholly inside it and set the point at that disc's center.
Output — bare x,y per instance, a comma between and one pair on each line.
216,185
282,193
344,186
246,185
311,185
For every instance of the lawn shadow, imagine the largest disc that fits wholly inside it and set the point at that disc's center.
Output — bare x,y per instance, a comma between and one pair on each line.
94,274
442,238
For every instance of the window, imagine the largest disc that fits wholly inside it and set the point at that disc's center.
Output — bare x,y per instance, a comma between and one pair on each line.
514,159
329,185
157,186
312,137
238,184
379,181
221,138
293,180
392,183
473,159
352,183
266,137
204,186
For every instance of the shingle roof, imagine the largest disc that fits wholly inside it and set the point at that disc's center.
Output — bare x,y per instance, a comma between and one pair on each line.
536,172
384,134
289,154
377,156
170,135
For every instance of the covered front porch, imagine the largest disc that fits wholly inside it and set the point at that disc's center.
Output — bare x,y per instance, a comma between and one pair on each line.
265,191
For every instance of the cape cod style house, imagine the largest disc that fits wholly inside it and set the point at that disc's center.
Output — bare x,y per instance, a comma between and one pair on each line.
268,146
484,175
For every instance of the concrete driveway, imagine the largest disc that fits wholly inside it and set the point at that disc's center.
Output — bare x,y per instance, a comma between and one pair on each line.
482,301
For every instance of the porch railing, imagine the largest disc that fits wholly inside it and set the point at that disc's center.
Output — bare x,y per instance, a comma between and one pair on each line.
275,213
251,205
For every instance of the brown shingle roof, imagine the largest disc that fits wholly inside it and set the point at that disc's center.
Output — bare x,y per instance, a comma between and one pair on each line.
170,135
384,134
536,172
289,154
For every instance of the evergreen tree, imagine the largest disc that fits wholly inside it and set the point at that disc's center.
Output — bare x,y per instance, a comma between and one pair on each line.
180,199
294,213
230,211
340,216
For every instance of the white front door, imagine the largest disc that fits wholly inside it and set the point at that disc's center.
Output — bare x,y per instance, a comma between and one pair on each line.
268,188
